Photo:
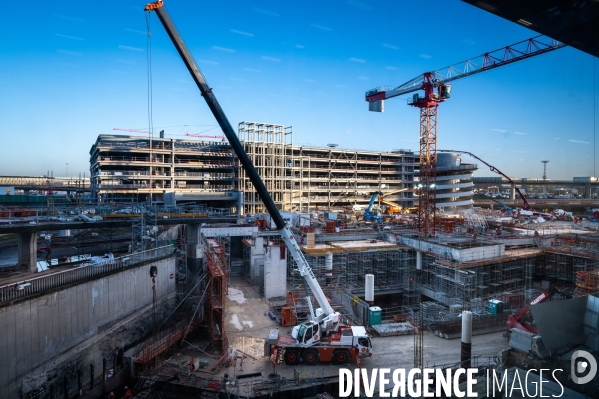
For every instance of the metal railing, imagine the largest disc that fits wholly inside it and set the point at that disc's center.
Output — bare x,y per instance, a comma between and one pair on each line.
39,284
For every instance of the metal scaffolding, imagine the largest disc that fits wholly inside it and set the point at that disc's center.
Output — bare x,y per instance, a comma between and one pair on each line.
264,144
144,229
216,255
181,261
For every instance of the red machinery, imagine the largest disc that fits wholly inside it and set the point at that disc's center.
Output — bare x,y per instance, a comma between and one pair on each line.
516,320
526,205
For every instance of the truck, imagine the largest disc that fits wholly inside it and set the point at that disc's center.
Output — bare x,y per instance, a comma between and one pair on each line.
347,344
322,338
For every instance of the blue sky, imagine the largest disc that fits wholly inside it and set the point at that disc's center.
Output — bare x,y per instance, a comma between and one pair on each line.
70,70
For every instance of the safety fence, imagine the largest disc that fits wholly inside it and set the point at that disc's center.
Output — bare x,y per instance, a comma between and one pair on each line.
95,267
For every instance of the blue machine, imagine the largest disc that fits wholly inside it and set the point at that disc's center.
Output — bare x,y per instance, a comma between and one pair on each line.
369,215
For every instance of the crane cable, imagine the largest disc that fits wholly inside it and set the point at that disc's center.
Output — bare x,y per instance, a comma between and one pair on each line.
150,98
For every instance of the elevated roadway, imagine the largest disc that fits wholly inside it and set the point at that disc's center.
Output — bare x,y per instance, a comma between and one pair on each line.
45,183
38,227
541,203
27,233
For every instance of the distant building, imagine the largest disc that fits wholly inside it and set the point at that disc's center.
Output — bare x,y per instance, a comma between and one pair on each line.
454,183
132,168
303,178
299,178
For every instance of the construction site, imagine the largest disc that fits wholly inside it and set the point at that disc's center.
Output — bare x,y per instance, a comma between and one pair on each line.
249,266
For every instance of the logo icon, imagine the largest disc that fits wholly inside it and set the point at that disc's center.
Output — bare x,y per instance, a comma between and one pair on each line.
579,366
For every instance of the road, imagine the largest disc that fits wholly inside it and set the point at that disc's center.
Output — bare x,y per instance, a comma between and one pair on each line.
9,256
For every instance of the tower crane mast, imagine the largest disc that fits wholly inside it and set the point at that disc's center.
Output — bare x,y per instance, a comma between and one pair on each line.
436,90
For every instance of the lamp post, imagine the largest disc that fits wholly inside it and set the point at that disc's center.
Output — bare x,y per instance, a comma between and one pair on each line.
66,170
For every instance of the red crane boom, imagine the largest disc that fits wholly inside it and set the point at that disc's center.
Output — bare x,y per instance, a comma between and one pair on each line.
526,207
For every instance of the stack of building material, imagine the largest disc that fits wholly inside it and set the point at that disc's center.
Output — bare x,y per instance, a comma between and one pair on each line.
310,240
402,328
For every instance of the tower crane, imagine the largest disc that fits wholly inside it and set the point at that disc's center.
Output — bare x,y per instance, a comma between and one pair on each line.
436,90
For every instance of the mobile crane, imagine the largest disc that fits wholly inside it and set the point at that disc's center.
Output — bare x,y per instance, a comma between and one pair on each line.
322,338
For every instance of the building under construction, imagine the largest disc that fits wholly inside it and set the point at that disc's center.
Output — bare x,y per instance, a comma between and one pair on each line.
299,178
303,178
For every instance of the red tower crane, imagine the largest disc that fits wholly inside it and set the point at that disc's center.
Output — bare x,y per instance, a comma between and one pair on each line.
436,90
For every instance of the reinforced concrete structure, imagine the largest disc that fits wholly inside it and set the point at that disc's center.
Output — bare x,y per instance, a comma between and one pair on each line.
132,168
454,183
63,331
302,178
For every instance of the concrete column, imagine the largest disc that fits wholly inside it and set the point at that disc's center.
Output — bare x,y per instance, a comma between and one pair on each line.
466,353
418,260
257,257
369,289
275,272
328,265
513,193
27,250
195,254
240,210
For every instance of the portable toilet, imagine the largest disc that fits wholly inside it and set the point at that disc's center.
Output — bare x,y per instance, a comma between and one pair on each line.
495,306
375,316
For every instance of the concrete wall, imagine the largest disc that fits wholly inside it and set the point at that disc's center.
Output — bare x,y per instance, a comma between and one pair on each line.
275,272
256,258
459,255
40,333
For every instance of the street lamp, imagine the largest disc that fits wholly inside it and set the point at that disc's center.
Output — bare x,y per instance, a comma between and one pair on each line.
66,170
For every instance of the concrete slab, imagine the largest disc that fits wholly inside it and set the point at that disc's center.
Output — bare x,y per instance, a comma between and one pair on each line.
248,324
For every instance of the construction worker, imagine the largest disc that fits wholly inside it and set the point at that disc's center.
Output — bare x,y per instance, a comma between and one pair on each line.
128,393
110,395
191,367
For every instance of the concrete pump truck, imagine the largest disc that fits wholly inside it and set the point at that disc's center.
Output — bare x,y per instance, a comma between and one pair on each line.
322,338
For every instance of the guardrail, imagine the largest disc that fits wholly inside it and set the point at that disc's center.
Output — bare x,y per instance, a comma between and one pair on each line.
35,285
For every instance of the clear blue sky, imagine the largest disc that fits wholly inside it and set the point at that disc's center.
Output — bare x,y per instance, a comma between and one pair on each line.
71,70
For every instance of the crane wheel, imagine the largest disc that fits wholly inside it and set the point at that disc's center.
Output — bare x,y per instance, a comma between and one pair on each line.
311,357
341,357
292,357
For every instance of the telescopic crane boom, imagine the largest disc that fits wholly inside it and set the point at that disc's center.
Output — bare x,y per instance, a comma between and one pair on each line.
325,317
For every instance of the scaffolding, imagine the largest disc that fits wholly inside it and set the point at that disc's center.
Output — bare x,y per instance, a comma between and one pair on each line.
264,144
216,256
181,261
452,285
475,222
144,229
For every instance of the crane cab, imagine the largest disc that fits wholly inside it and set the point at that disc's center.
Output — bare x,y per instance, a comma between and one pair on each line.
307,334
